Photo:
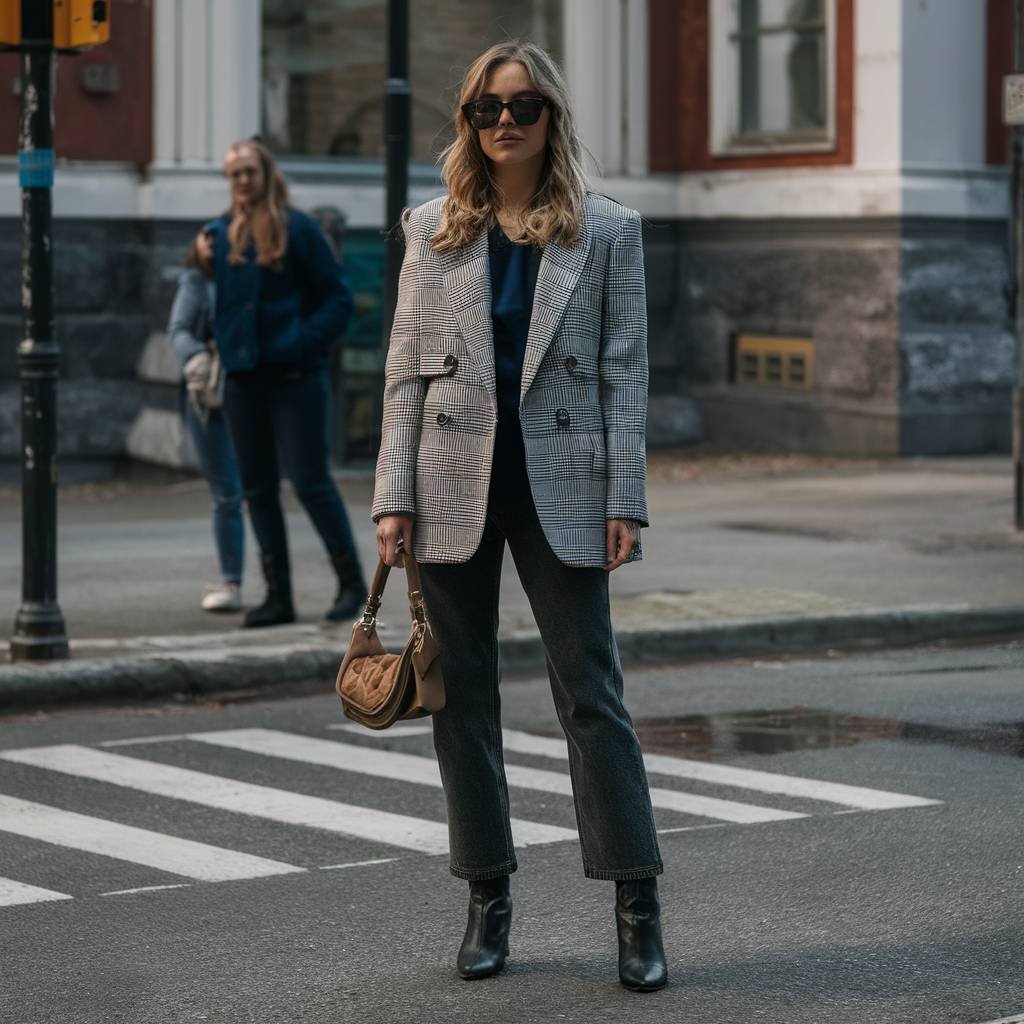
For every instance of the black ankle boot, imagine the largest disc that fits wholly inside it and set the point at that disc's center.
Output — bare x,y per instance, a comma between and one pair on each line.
277,607
485,946
638,918
351,596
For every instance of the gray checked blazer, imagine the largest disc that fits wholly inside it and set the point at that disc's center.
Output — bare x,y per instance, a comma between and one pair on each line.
583,404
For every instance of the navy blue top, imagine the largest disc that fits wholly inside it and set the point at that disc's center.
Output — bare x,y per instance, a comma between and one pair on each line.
288,317
513,280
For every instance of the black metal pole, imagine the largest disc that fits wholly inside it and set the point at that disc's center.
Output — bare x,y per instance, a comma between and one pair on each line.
39,630
1017,248
397,128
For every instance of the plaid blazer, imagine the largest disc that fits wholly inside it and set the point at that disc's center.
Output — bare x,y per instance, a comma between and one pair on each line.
583,405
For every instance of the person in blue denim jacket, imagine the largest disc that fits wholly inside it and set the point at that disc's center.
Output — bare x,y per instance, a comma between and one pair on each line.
189,332
282,302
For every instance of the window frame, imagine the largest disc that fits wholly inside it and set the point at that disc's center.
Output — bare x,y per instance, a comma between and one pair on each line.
724,81
679,111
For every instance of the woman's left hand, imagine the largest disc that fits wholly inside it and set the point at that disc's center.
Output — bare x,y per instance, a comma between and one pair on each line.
621,539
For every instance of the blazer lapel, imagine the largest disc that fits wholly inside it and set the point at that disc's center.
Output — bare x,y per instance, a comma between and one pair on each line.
467,283
557,277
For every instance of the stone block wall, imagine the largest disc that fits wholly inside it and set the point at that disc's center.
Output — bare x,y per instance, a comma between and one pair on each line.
912,355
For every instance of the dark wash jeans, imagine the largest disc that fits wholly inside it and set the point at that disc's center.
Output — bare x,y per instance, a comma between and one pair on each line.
609,783
279,419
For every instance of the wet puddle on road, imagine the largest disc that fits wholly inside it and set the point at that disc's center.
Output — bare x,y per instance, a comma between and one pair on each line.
763,731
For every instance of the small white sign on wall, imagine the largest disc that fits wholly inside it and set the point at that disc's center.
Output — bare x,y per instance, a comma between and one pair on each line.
1013,99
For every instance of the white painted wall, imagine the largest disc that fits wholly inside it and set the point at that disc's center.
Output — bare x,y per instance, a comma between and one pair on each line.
877,123
207,78
943,72
606,63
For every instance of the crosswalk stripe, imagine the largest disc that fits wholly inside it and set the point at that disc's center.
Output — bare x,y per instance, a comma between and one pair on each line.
382,764
266,802
742,778
423,770
138,845
13,894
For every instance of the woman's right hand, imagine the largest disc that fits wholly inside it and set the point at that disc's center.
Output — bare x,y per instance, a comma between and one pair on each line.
394,536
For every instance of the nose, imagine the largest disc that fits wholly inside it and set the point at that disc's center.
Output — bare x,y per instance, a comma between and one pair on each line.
506,120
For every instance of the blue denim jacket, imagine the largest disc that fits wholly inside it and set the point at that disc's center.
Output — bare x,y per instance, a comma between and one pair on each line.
287,317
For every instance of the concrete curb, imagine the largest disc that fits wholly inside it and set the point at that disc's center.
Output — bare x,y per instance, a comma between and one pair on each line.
198,673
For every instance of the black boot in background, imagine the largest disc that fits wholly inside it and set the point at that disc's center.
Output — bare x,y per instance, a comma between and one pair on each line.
638,918
277,607
351,596
485,946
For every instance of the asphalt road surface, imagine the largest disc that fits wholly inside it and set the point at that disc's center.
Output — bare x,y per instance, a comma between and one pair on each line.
842,840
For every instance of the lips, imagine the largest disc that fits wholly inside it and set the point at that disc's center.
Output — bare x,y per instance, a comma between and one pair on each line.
509,138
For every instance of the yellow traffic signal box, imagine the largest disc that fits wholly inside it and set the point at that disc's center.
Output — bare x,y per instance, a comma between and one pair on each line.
78,24
10,22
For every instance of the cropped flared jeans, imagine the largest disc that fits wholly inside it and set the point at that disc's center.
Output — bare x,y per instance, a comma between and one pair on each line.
571,607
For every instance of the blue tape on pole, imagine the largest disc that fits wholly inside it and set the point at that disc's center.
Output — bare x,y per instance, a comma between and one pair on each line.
35,168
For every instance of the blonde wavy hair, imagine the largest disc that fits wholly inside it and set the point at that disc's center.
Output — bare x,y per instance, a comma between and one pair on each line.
264,220
556,211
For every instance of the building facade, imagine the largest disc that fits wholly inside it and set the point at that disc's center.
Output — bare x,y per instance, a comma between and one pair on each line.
823,183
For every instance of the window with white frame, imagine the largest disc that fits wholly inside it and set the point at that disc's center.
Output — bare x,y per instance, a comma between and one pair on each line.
772,76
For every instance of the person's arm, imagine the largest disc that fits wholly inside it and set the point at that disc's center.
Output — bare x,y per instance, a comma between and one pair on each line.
395,488
622,369
325,281
187,315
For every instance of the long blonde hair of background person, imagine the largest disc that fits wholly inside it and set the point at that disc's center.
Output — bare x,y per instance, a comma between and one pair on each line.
556,211
265,220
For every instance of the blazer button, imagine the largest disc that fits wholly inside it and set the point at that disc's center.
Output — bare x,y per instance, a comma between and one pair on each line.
571,363
442,418
451,361
562,418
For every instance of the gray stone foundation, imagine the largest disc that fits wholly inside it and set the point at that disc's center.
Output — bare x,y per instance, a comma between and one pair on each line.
908,319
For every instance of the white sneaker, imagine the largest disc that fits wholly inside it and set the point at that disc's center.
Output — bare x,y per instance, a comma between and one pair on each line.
224,597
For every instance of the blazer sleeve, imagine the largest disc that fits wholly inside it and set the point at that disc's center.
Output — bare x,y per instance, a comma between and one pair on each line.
623,373
395,486
330,292
188,316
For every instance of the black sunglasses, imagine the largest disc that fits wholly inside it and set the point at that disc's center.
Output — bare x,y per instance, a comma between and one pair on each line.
487,113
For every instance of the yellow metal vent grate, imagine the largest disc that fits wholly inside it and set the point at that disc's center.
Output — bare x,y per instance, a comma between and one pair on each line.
775,362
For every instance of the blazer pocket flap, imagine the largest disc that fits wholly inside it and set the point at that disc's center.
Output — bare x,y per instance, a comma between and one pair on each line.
438,364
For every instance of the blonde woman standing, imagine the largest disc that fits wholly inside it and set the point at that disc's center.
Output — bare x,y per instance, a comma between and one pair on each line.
514,413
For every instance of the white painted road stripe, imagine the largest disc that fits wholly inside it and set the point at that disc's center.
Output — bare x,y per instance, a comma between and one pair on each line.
1018,1019
410,768
742,778
138,845
145,888
280,805
13,894
380,763
238,797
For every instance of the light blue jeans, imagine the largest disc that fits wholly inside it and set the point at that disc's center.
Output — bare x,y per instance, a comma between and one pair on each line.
218,464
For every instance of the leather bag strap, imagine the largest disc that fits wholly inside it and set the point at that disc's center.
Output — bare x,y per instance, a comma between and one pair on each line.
380,579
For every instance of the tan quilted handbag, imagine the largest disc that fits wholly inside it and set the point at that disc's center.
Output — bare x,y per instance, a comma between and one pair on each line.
377,688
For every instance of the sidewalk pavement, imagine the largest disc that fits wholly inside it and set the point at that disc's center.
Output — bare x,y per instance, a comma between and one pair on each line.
747,555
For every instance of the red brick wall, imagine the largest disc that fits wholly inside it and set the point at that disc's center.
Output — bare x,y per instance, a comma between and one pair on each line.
1000,62
90,127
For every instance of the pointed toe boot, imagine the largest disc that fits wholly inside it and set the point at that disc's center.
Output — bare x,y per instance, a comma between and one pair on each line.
485,945
642,965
